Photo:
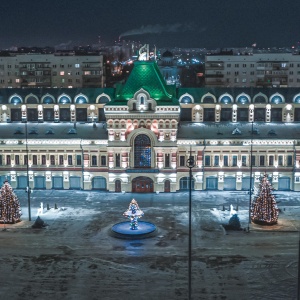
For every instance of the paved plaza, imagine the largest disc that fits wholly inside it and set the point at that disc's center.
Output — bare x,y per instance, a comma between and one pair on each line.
75,257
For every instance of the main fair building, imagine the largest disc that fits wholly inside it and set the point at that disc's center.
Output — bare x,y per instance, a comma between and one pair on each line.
139,136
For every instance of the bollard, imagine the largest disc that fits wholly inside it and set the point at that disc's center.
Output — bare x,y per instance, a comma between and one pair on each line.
55,206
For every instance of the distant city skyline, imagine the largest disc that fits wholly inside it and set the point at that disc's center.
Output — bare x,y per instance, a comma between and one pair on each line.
202,24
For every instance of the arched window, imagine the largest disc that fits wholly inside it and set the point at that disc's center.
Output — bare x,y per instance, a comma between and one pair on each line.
186,100
64,99
243,99
142,151
103,99
81,99
32,99
15,100
48,99
260,98
297,99
276,99
225,99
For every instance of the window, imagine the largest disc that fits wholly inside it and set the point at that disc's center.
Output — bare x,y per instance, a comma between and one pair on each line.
52,160
289,160
244,65
43,159
181,160
207,160
78,160
216,161
142,151
261,160
118,161
94,160
17,80
34,160
61,160
226,161
77,66
253,160
234,160
244,160
103,160
280,160
228,65
236,65
167,160
62,73
8,160
70,160
17,159
62,66
252,65
25,159
1,160
271,160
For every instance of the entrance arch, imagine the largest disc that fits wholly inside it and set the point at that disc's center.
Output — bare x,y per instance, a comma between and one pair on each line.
142,184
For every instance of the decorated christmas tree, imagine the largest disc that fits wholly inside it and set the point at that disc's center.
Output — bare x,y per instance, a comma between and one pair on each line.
10,211
264,209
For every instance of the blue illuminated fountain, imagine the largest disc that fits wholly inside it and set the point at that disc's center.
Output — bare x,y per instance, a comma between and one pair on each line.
133,229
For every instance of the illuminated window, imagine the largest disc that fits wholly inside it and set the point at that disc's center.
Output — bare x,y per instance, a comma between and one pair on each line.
142,151
77,66
62,73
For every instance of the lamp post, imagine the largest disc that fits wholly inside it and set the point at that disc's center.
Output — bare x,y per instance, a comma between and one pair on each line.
250,191
28,189
190,164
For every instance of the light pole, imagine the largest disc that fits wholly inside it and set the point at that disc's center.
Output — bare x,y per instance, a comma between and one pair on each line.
28,189
190,164
250,191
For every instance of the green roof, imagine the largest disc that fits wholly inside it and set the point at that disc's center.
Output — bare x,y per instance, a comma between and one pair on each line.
146,75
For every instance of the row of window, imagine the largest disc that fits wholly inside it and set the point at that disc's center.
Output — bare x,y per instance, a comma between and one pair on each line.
209,160
258,161
45,65
54,160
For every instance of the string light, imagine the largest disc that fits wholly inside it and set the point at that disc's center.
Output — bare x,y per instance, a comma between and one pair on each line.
264,210
10,211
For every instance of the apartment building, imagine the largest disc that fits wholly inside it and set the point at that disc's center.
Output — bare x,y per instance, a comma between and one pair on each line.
58,70
253,70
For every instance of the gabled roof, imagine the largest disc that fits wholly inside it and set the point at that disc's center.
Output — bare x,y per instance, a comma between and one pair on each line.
146,75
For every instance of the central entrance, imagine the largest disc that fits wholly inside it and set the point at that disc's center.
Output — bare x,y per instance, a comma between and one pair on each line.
142,184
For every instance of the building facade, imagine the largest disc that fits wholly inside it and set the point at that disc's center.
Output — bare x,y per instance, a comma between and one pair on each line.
253,70
138,136
58,70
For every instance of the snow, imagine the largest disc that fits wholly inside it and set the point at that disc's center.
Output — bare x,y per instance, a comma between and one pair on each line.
76,258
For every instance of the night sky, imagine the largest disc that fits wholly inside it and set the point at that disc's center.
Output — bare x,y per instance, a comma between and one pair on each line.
165,23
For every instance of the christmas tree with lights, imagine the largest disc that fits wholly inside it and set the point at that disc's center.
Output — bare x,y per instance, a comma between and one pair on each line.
10,211
264,209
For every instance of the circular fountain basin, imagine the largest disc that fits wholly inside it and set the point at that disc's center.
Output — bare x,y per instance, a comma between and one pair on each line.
122,230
